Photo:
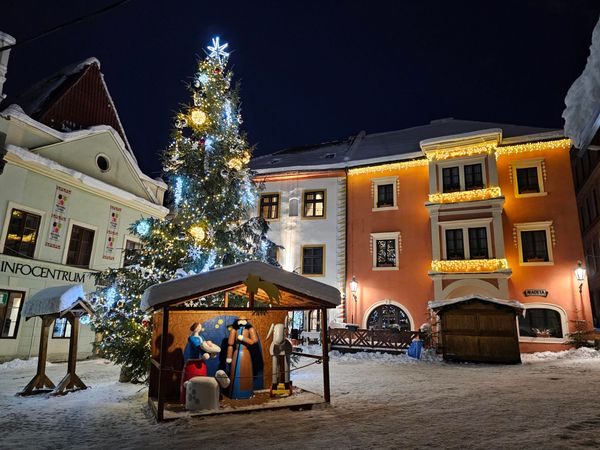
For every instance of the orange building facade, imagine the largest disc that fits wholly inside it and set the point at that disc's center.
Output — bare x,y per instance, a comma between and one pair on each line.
474,214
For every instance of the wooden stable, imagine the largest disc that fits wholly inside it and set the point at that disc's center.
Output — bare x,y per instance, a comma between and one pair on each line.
479,329
172,318
50,304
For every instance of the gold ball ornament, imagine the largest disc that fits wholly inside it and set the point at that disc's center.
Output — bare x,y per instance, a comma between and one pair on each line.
197,232
235,163
198,117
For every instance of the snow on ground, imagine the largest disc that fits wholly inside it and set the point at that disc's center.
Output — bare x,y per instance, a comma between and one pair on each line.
378,401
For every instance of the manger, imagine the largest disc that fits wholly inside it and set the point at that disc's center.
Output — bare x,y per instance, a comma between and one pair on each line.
218,342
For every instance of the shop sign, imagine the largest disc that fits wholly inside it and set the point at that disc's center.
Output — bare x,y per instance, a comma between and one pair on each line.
535,293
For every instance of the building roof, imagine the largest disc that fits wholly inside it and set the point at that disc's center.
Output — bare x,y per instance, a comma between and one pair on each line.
363,149
56,300
298,292
438,305
74,97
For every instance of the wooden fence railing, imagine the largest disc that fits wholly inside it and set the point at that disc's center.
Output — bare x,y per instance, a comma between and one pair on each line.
382,340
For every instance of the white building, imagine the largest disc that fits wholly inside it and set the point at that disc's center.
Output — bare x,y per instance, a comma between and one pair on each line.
67,199
303,197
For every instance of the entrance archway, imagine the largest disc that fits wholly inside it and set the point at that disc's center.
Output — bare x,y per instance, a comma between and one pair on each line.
388,316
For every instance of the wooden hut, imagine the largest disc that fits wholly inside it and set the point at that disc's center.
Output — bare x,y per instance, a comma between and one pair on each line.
49,304
262,293
479,329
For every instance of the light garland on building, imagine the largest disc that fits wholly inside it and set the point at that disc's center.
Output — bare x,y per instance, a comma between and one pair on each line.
456,152
466,196
387,167
561,144
469,265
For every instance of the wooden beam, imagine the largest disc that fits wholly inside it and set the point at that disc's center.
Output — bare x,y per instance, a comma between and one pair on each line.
41,380
226,299
325,351
71,380
164,342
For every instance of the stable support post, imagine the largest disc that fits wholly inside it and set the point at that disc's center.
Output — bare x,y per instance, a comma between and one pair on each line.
71,380
325,351
160,413
41,380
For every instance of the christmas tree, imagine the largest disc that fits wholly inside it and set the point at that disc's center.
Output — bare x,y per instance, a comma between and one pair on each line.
212,196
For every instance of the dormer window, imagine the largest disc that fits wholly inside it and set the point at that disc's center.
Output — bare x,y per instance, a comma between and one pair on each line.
330,156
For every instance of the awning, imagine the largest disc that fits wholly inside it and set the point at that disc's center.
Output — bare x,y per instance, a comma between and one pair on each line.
56,300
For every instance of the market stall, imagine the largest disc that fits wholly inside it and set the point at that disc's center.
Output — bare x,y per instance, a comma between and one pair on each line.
227,325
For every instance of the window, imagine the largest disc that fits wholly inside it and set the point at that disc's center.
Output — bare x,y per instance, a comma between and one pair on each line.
272,253
388,317
466,239
312,260
385,195
473,177
11,303
22,233
451,179
527,180
478,245
386,252
80,246
534,243
269,206
131,251
541,323
385,248
528,177
293,207
535,247
314,204
62,328
314,320
454,244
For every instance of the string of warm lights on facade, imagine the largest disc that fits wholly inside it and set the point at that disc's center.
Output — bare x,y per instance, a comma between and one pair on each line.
469,265
561,144
466,196
472,150
388,167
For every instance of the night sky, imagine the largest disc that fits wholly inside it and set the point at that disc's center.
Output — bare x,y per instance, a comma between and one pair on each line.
317,71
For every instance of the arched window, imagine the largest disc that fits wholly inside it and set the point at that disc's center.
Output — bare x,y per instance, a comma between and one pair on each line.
541,323
388,317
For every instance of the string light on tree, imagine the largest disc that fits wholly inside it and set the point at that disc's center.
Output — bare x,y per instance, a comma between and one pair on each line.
209,226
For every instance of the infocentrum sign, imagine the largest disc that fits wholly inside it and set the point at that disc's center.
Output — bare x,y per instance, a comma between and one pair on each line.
16,267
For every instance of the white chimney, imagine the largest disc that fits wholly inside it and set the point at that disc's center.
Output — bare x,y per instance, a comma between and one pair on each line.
5,40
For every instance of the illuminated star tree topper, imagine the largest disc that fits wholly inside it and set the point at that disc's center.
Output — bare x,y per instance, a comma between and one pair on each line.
217,51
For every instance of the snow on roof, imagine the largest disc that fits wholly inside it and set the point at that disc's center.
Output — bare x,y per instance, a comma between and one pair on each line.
364,149
583,99
439,304
212,281
55,300
32,100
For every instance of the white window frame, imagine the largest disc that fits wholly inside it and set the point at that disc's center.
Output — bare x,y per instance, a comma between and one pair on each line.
535,226
563,322
128,237
68,240
384,237
465,225
527,163
461,171
375,183
41,231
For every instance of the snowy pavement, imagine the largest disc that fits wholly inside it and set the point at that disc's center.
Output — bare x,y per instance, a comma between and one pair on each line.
379,401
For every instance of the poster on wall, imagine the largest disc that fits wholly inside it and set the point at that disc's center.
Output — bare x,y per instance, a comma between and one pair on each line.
58,218
112,232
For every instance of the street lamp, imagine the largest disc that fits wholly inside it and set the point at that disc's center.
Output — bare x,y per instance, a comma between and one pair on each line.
580,275
354,289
